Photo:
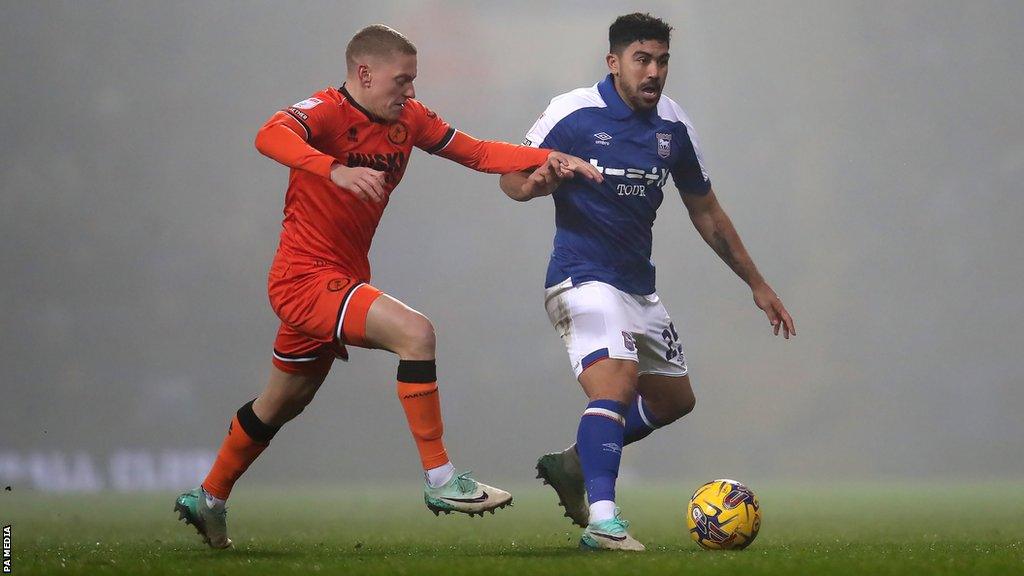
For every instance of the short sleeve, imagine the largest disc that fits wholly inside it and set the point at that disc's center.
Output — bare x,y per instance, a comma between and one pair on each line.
316,116
432,132
551,130
688,172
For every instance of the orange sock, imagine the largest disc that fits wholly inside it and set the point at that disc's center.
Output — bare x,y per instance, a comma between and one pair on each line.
417,389
247,438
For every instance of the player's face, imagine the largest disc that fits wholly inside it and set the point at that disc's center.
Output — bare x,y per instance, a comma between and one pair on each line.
640,72
391,85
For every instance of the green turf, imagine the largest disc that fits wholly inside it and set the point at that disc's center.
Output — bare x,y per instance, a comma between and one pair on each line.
830,529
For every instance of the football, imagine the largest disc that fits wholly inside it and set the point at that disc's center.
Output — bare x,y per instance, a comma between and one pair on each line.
723,515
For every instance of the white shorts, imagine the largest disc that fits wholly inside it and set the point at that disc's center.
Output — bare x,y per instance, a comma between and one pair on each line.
597,321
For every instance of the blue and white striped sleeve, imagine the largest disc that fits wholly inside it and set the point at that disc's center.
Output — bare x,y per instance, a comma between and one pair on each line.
556,127
549,131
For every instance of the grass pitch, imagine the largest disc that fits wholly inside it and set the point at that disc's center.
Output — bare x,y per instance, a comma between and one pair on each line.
829,529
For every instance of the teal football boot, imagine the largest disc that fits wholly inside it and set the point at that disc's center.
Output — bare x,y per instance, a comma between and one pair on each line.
609,535
466,495
211,523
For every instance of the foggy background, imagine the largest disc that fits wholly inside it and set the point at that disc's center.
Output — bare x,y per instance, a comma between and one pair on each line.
870,154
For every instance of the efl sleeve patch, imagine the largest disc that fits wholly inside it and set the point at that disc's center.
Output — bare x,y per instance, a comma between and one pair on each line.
551,131
318,116
540,129
308,104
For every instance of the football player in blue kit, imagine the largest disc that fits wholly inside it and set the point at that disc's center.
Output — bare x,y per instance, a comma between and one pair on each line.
600,295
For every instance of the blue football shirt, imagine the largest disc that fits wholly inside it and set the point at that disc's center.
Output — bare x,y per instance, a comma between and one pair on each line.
603,231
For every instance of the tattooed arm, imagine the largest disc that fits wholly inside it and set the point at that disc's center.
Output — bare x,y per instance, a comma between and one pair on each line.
716,228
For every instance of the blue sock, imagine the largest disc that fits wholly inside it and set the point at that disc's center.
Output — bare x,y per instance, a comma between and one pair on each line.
599,444
639,422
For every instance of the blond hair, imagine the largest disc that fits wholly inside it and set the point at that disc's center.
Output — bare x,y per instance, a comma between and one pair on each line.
377,40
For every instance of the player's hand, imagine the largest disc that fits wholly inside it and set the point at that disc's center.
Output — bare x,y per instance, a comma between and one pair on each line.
767,300
366,184
543,180
567,165
558,167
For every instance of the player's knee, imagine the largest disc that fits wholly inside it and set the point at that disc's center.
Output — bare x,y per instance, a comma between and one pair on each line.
289,406
621,392
682,406
291,411
299,402
627,393
418,338
669,407
687,405
280,412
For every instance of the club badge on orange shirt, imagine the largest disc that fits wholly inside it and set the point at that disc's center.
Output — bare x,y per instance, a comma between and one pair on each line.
338,284
398,133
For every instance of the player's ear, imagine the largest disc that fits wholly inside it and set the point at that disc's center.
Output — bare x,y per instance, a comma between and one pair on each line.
364,75
613,63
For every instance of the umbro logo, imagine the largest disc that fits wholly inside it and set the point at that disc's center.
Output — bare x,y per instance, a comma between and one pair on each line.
603,138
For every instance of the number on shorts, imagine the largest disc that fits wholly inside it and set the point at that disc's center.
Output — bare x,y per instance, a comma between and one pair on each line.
672,339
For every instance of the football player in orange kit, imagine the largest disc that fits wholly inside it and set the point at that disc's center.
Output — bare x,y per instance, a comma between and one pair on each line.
347,149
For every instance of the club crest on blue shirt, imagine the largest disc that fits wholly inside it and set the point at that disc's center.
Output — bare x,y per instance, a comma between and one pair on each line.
664,144
628,341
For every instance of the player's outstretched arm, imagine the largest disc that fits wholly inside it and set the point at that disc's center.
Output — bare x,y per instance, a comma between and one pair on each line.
716,228
279,141
513,185
523,186
502,157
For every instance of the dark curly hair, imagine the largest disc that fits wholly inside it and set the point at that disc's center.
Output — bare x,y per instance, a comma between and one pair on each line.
636,27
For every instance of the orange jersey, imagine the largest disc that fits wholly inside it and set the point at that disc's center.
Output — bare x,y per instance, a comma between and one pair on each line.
325,223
